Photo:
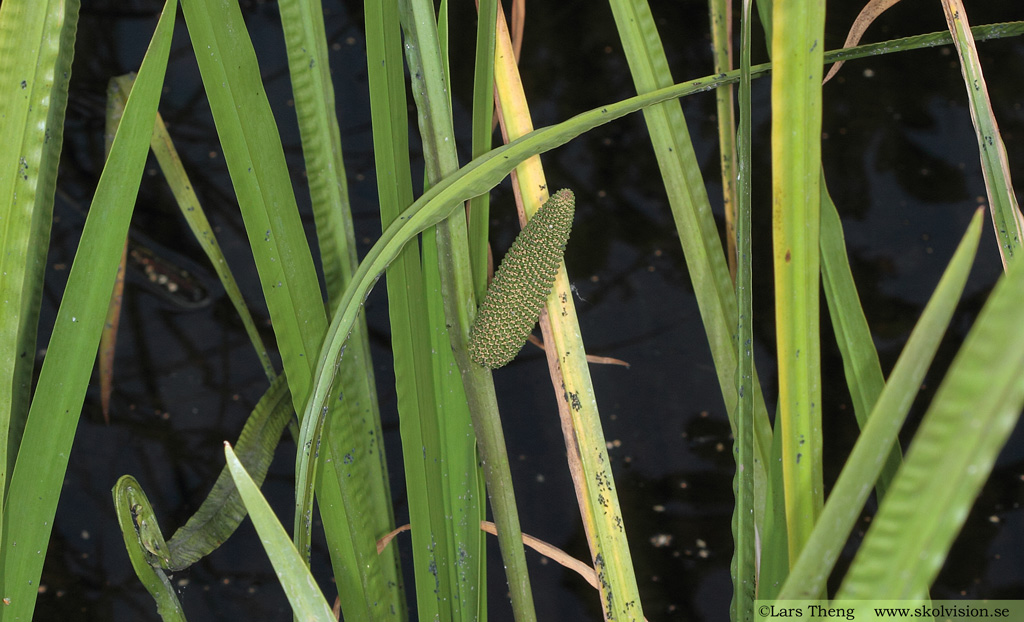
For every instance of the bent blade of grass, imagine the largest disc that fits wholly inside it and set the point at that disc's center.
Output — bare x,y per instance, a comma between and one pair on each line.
797,51
1006,216
968,422
485,172
134,515
867,15
811,571
36,49
53,417
219,514
299,585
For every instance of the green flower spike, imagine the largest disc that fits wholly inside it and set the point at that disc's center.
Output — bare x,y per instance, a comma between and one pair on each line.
522,284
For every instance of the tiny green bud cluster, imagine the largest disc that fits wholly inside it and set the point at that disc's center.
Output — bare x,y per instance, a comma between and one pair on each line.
522,284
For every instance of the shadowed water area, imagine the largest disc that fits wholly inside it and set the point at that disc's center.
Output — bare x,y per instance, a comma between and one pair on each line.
901,163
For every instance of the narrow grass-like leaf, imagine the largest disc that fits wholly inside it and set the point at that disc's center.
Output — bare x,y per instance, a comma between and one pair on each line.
255,160
174,172
1006,215
299,585
811,571
691,210
721,39
860,358
951,456
478,215
425,57
410,333
356,419
744,562
797,50
52,420
36,48
483,131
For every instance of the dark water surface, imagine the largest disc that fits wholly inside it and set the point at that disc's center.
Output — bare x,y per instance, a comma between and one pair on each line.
901,162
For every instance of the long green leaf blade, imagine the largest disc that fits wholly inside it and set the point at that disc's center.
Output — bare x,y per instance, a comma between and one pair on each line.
797,51
811,571
36,48
691,210
305,597
53,417
744,562
951,456
255,160
356,420
860,358
410,333
304,31
483,130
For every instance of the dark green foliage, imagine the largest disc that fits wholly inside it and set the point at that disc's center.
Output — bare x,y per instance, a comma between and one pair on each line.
522,284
